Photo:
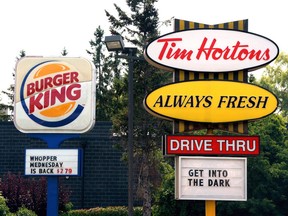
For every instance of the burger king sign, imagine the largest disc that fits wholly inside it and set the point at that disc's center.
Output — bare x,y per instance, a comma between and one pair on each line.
54,95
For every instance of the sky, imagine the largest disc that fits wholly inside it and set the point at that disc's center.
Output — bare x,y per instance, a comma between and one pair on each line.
45,27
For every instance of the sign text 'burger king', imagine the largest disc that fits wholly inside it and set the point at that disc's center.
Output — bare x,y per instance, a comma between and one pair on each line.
54,95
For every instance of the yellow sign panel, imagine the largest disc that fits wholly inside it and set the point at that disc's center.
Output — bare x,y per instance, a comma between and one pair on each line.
211,101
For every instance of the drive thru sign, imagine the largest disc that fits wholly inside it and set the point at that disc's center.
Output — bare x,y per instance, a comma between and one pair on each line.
210,145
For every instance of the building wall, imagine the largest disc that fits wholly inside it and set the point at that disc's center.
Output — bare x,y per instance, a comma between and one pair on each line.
104,180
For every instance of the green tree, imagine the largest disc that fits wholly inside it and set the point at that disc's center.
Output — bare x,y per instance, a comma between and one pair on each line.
165,202
64,52
3,112
267,173
108,84
138,27
275,78
10,94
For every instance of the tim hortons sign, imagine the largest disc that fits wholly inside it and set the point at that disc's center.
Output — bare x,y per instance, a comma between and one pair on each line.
211,101
211,50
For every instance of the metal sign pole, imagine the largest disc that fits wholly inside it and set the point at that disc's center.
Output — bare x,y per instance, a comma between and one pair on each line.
210,205
53,141
52,195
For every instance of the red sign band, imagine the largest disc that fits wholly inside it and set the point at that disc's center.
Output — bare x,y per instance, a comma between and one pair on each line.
211,145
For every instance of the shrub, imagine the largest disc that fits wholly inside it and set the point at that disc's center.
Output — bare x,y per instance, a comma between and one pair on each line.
29,192
165,202
25,212
4,210
101,211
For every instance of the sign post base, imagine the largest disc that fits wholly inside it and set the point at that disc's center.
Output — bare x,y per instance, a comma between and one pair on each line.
210,207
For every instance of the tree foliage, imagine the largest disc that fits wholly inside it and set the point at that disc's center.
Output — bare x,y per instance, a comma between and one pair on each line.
30,192
275,78
64,52
104,77
165,203
267,173
10,94
138,27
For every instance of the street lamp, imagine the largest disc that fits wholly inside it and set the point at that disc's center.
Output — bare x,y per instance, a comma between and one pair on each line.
115,43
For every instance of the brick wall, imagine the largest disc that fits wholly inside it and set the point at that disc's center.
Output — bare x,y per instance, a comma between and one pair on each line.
104,180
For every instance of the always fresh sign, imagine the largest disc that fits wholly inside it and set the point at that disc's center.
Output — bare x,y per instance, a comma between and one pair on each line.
211,50
211,101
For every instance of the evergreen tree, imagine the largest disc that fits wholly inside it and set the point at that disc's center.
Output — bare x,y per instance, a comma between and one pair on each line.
275,79
106,80
10,94
64,52
3,112
138,27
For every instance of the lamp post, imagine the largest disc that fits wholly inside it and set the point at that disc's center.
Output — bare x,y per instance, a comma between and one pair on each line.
115,43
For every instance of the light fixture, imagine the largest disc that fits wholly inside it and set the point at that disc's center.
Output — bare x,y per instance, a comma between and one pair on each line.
114,43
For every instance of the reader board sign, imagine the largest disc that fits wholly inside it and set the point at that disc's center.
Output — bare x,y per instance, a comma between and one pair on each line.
54,95
211,178
211,101
211,50
53,162
211,145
